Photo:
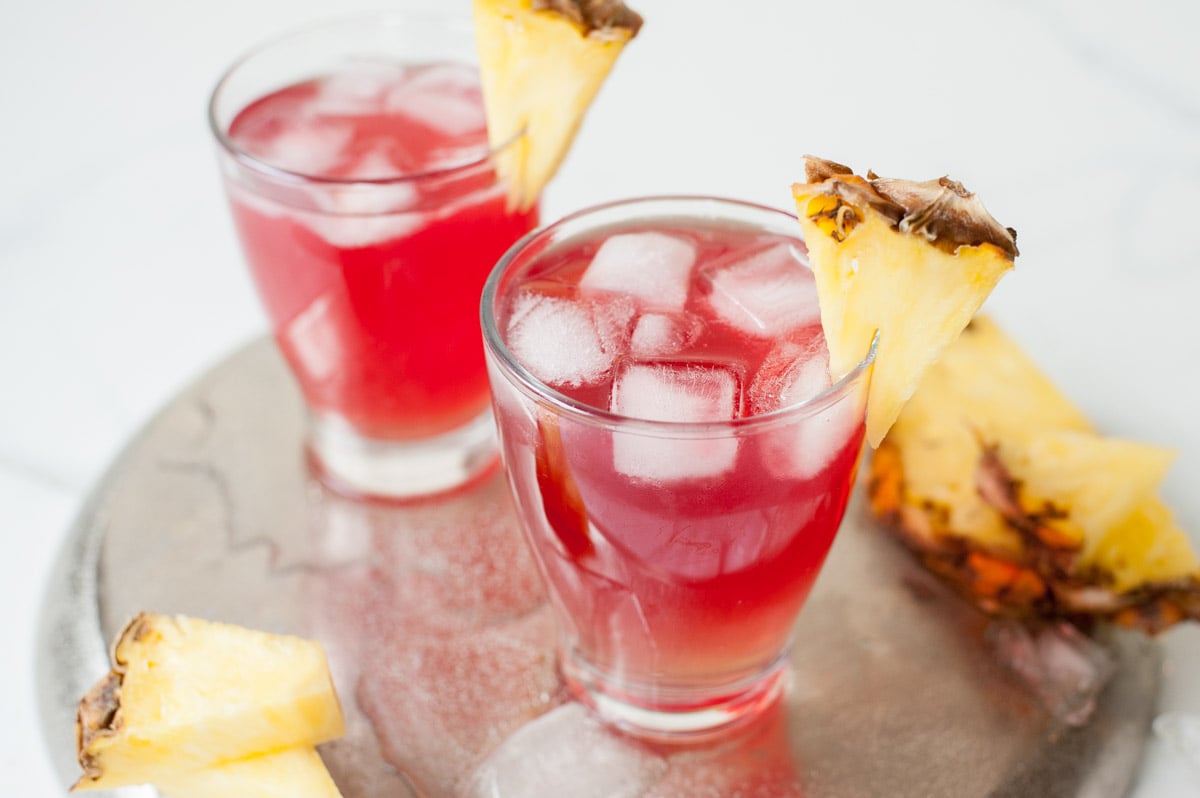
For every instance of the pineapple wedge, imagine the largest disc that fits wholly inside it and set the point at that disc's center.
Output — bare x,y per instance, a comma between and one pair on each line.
292,773
1004,490
541,64
185,694
910,261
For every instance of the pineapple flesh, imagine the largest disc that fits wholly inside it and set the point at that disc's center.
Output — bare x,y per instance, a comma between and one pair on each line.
292,773
186,694
910,261
1003,489
541,64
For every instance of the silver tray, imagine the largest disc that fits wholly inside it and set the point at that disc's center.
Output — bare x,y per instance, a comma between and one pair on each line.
442,645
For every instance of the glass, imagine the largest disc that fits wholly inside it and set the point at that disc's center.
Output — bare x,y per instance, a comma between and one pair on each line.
675,588
355,159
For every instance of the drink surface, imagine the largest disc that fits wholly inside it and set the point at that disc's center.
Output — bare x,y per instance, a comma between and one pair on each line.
370,255
680,554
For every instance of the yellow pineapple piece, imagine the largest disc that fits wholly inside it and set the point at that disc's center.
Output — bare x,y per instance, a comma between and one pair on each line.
943,426
910,261
185,694
1079,485
1003,489
541,64
291,773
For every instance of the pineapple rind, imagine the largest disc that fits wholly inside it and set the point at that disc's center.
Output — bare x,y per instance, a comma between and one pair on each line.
540,71
292,773
918,297
194,693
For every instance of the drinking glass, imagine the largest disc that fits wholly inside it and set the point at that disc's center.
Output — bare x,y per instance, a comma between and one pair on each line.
676,554
370,213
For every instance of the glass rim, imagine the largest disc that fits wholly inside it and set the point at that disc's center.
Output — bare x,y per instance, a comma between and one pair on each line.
550,397
385,18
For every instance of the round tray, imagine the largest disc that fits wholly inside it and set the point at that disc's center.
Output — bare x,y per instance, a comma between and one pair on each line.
442,645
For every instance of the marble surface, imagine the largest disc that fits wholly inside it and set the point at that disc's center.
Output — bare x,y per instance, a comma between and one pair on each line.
120,278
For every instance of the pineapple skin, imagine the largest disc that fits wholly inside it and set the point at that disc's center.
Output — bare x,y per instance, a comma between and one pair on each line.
185,694
910,261
540,71
292,773
999,485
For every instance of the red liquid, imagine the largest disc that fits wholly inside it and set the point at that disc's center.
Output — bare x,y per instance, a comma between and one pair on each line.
373,286
684,562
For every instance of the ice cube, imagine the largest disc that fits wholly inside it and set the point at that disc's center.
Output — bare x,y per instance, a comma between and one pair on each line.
306,148
356,90
793,373
567,752
446,98
613,316
356,231
681,392
765,292
653,267
663,335
441,701
367,198
1182,731
362,214
557,340
312,339
376,164
1063,667
448,77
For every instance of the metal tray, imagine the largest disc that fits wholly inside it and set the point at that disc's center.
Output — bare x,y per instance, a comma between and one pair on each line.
442,645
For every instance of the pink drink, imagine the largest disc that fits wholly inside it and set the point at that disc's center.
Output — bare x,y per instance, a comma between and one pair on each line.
369,256
678,553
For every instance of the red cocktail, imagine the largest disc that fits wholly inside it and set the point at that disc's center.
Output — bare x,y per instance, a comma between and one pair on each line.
680,457
358,169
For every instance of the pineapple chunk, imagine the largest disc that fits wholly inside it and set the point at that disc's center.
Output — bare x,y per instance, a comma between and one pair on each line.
185,694
943,426
292,773
1003,489
912,262
1100,480
541,64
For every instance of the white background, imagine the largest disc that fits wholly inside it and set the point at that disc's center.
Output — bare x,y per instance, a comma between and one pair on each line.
120,279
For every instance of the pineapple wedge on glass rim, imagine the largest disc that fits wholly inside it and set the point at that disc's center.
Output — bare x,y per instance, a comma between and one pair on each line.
909,261
186,694
1003,489
541,64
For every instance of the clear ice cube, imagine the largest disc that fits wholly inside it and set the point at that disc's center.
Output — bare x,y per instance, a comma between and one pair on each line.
1182,731
445,98
766,292
561,341
680,392
441,701
1063,667
356,90
312,338
653,267
790,374
353,215
662,334
310,148
567,752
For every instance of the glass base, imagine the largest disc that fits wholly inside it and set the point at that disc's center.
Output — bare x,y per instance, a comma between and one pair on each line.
358,466
673,714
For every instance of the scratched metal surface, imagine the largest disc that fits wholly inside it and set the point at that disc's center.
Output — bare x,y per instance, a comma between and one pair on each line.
441,642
